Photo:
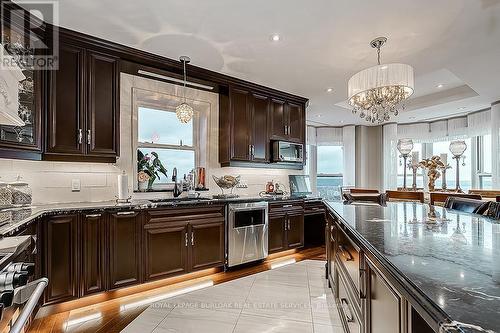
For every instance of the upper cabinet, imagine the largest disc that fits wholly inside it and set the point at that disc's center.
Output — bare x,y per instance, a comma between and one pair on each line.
82,116
249,121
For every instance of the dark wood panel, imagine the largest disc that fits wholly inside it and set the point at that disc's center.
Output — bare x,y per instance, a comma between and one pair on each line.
295,230
207,244
60,254
296,122
93,253
103,104
278,119
65,118
240,120
125,249
260,132
276,235
166,250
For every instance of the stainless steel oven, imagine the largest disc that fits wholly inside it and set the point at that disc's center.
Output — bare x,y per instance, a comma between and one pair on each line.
247,232
290,152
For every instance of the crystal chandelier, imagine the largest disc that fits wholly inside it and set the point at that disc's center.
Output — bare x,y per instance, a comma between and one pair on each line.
379,91
184,111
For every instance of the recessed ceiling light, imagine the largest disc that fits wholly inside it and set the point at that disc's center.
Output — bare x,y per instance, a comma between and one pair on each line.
275,37
329,90
341,121
383,67
440,85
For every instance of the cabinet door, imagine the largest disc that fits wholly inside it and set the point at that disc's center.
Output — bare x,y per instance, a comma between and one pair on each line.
276,234
240,148
60,254
207,244
260,137
295,229
125,249
384,305
103,102
278,119
166,250
93,253
65,118
296,123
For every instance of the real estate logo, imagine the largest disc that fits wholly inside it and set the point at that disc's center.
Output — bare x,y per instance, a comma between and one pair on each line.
27,42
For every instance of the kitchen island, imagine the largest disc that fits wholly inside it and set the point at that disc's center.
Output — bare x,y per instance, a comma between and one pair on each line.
411,267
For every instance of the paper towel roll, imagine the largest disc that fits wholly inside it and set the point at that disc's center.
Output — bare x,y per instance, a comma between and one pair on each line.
123,186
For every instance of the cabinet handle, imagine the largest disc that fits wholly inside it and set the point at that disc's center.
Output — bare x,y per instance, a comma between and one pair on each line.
348,313
345,253
79,136
250,151
131,212
192,238
288,224
362,293
89,136
186,239
92,215
253,150
287,206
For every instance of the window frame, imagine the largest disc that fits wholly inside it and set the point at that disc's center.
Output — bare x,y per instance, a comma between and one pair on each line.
480,153
181,147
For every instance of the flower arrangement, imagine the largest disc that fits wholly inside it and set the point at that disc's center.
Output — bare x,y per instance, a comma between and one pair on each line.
149,168
432,165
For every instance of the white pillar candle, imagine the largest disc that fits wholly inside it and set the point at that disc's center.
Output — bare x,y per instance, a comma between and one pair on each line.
444,158
414,158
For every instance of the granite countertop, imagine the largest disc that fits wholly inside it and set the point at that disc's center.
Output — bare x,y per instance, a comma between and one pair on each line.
12,219
450,258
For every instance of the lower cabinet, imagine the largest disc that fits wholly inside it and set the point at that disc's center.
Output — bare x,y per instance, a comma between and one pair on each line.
286,231
124,249
206,244
60,257
276,233
295,230
93,253
166,250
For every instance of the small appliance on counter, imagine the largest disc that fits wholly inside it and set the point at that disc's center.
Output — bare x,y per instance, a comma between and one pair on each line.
272,190
226,182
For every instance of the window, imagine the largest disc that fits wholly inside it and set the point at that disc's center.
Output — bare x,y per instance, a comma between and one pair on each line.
329,169
484,162
443,147
409,174
174,142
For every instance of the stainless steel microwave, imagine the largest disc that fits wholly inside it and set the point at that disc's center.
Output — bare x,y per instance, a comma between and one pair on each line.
284,151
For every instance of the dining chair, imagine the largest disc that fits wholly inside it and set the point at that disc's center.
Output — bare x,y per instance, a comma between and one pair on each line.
405,196
491,194
439,198
467,205
379,198
363,190
493,210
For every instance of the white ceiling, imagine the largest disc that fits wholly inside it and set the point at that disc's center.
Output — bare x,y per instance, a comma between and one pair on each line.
324,42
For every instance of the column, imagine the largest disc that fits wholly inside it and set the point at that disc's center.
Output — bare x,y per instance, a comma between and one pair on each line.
495,144
390,155
349,151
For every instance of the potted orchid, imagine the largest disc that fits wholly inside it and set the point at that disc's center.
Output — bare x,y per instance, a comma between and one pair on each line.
149,169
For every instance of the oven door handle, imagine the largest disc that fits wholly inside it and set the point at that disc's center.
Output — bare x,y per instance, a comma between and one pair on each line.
30,294
239,209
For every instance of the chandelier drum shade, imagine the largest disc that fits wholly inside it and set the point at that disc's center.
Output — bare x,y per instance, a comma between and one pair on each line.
379,91
184,111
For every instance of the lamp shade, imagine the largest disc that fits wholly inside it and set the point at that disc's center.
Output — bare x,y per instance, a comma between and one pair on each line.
405,146
457,148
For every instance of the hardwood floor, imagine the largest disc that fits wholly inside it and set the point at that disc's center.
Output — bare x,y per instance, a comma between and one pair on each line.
113,315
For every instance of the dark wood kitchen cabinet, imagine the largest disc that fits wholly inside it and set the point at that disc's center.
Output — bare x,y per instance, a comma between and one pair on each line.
82,117
286,225
207,244
276,233
260,136
93,253
278,120
60,257
240,120
125,262
295,229
287,121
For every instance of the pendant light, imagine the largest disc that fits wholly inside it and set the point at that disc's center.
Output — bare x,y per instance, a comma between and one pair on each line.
184,111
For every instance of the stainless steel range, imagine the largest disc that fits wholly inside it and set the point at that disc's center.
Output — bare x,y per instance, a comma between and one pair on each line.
246,232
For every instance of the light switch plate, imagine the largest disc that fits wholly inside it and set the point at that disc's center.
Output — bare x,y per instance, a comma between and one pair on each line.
75,185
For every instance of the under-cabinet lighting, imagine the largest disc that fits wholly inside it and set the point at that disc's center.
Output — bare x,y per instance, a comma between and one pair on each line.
149,300
83,319
173,79
283,263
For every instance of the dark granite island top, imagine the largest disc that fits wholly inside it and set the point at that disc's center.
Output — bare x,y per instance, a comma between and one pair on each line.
452,261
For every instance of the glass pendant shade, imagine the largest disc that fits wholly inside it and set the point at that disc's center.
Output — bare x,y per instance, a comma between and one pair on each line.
184,113
405,146
457,148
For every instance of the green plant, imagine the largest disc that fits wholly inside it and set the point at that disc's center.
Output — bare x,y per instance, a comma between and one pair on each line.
151,165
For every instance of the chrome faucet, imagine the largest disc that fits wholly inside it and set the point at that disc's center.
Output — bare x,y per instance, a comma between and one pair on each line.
177,185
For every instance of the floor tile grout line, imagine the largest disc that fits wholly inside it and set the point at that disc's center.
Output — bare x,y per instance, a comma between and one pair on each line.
244,302
310,305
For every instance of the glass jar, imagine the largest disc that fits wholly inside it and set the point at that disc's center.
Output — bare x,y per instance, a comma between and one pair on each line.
5,195
21,192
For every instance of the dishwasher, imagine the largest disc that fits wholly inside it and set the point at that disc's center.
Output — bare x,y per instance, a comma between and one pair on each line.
247,232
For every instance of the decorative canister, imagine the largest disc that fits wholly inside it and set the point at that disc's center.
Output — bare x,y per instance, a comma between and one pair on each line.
5,195
21,192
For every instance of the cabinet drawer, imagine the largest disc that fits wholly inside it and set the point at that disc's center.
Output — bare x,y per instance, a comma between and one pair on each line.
348,258
185,214
285,206
314,207
347,313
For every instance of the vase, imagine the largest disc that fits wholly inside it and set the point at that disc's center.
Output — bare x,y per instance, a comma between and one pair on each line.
143,186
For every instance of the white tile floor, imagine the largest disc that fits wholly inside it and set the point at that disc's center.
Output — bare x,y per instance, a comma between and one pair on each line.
292,298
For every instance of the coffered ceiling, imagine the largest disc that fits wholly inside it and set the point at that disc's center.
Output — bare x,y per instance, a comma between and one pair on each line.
455,43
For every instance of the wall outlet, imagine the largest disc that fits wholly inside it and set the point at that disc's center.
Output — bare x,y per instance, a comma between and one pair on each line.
75,185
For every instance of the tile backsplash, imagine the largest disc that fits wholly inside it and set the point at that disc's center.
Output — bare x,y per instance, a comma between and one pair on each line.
51,181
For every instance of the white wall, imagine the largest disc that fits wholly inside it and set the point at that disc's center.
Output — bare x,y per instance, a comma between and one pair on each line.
51,181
